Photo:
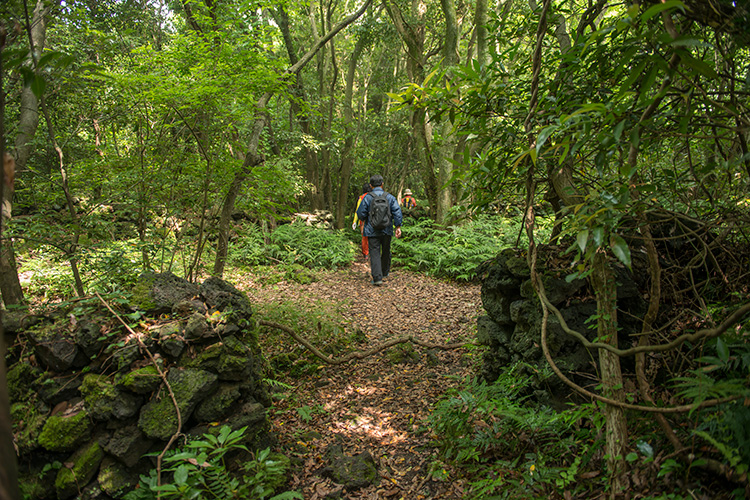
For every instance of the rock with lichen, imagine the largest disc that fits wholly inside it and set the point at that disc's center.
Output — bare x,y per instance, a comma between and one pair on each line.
104,400
158,418
141,381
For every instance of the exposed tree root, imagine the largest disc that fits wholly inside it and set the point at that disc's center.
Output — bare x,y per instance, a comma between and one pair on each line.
361,354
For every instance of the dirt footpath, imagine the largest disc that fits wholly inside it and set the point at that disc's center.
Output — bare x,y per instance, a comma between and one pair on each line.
379,404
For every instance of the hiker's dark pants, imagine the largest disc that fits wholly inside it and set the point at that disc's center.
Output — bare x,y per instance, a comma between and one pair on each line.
380,256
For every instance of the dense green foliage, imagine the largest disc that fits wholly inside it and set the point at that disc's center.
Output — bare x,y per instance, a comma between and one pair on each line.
512,445
200,470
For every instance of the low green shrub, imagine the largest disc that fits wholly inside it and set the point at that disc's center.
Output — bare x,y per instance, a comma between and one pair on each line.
312,247
249,248
726,427
199,470
318,321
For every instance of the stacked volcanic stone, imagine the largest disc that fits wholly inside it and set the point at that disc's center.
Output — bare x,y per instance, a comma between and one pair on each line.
88,401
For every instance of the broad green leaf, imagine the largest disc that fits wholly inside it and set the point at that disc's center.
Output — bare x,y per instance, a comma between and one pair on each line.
47,58
598,235
620,249
722,350
661,7
646,449
636,72
37,86
648,82
635,138
618,130
582,238
688,41
181,475
430,76
543,136
700,66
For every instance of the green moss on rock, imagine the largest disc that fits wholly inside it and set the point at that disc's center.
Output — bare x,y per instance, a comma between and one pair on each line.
35,484
218,404
85,465
99,394
65,433
230,359
21,377
142,381
104,400
27,424
141,294
115,479
158,418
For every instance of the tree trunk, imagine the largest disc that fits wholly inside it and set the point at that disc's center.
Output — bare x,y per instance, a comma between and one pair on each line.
605,290
413,36
480,23
8,464
350,138
313,173
445,150
28,122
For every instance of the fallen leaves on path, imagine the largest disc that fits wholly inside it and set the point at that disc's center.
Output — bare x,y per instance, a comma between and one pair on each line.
377,404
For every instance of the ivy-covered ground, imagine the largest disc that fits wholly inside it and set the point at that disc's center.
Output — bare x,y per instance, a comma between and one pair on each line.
379,404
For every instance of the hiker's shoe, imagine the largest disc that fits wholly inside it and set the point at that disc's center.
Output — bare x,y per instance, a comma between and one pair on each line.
377,283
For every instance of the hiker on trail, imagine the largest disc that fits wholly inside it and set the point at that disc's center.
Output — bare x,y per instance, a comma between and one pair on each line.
380,211
408,201
365,246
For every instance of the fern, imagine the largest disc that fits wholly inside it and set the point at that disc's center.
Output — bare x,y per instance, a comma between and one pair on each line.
700,386
199,471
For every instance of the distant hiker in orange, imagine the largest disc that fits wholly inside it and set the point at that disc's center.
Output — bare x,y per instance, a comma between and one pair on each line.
365,242
408,200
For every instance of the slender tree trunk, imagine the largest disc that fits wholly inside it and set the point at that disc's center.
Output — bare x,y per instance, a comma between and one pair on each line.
445,150
347,161
8,463
328,124
28,122
605,290
480,23
413,36
313,170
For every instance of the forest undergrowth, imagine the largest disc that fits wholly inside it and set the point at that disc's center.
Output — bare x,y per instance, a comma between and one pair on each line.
435,429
